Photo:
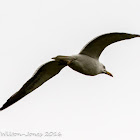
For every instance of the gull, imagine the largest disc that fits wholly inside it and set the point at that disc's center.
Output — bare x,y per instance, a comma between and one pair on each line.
86,62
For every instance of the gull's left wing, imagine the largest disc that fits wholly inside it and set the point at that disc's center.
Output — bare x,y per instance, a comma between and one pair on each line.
95,47
43,74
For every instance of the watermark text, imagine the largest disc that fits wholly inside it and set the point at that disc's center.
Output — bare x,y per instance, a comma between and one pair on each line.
30,134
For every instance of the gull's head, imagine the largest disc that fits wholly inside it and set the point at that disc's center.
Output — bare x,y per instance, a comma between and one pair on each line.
105,71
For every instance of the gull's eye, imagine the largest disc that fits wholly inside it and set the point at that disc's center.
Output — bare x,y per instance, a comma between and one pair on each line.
104,67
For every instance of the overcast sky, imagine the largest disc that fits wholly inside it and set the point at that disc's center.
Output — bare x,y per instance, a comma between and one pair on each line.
79,107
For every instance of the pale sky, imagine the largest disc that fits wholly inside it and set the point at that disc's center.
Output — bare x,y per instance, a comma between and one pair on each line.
79,107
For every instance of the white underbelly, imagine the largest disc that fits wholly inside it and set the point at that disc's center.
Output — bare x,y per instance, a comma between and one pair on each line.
85,65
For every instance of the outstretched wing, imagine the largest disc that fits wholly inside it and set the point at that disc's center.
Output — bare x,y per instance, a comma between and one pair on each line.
95,47
43,74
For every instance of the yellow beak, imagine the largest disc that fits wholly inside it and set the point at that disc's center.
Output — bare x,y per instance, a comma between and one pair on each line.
108,73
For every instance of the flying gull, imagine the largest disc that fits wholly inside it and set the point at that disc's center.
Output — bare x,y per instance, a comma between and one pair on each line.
86,62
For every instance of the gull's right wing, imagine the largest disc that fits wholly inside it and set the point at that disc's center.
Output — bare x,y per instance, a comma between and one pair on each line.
95,47
43,74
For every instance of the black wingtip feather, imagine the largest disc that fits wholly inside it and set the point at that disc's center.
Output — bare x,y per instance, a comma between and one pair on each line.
137,35
3,107
7,104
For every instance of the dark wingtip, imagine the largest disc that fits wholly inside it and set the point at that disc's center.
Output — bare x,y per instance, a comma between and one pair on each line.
1,108
135,35
4,106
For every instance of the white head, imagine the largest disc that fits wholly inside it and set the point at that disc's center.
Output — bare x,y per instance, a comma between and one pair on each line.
103,70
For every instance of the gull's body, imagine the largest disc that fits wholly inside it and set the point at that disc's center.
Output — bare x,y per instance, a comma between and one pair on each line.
86,62
82,63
